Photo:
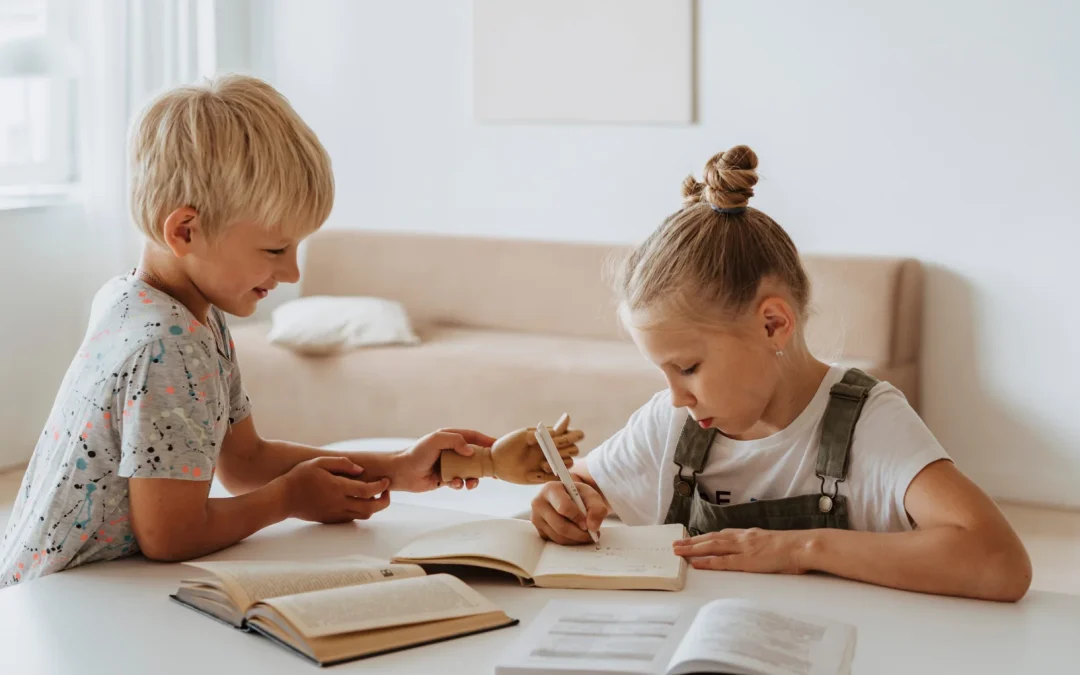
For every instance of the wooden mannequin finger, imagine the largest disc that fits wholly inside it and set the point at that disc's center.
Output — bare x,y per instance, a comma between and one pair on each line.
569,438
561,426
546,468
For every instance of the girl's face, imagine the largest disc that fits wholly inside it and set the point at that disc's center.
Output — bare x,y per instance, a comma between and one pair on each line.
724,377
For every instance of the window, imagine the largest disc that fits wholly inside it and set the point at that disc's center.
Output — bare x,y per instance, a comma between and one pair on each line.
37,94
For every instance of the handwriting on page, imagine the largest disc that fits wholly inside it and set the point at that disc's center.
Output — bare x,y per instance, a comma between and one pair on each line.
609,560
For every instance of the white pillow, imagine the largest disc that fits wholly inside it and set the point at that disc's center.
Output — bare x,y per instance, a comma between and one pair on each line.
322,324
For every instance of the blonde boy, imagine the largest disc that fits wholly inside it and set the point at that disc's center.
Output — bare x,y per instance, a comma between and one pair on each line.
226,182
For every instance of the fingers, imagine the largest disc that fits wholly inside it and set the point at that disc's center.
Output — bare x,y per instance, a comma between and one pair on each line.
363,509
595,506
471,483
568,451
357,489
559,530
448,440
339,465
470,436
719,562
546,467
565,506
711,544
553,524
561,426
569,438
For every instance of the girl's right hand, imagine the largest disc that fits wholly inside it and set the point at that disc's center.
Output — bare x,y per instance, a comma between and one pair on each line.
557,518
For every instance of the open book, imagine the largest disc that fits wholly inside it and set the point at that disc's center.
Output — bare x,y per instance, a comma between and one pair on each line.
734,636
638,558
340,609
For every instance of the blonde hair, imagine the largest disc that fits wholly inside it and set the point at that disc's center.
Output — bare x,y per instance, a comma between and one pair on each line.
708,260
233,149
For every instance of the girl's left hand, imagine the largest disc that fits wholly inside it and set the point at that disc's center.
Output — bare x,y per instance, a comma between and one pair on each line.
753,550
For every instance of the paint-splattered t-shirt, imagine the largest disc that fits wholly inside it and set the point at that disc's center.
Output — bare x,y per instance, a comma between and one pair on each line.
150,394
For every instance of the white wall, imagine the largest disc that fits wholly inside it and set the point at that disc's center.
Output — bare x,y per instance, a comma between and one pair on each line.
941,130
51,264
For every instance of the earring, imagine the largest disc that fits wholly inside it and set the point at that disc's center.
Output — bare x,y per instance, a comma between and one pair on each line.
779,353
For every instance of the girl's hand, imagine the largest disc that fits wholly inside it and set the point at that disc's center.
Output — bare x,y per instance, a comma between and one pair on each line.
556,517
753,550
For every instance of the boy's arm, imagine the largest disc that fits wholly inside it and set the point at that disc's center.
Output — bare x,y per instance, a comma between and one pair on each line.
175,520
962,545
247,461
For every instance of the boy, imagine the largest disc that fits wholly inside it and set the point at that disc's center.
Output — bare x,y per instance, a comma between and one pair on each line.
226,182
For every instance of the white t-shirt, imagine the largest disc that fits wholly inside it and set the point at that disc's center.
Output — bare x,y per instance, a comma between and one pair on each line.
635,468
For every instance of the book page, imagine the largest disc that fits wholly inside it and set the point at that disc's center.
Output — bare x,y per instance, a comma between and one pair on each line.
642,551
625,633
357,608
508,539
593,636
247,582
747,638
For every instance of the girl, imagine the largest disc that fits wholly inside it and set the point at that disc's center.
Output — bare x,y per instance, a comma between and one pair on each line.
774,460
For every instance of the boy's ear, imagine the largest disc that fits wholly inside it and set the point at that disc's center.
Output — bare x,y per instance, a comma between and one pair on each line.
181,230
778,319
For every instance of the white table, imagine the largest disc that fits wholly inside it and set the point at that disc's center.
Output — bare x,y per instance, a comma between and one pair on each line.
116,617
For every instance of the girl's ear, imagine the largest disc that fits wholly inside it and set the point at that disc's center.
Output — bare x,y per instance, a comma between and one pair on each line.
180,230
775,315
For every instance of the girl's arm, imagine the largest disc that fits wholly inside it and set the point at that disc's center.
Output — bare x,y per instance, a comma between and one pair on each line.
962,545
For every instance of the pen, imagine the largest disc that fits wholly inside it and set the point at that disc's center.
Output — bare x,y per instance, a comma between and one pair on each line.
551,453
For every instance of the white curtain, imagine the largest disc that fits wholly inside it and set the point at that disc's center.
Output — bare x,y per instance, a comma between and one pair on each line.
132,49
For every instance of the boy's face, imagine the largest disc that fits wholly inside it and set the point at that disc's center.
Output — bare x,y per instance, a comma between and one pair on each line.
242,267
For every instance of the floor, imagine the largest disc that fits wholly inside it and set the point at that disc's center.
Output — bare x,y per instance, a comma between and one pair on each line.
1052,538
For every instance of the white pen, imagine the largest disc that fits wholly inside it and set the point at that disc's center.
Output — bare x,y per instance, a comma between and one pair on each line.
551,453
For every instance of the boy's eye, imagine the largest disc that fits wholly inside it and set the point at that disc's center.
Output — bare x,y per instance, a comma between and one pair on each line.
690,371
276,251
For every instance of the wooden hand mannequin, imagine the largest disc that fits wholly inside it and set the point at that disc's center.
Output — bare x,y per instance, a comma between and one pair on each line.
515,457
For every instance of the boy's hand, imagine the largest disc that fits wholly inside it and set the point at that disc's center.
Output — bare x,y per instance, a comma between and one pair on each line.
417,469
328,490
557,518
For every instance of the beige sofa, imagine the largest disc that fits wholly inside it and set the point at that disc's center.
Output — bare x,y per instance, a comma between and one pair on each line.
515,332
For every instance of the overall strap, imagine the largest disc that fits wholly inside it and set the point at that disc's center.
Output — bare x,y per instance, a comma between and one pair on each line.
692,452
846,400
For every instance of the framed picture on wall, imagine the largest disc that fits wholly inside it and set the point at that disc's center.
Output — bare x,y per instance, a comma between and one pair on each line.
583,60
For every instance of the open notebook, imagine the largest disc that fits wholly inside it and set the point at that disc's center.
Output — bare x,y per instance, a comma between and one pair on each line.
631,558
734,636
340,609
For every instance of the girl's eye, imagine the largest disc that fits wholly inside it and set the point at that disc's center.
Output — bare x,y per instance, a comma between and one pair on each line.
275,251
690,371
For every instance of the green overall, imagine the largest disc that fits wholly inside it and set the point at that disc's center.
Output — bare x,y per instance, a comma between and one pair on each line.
805,512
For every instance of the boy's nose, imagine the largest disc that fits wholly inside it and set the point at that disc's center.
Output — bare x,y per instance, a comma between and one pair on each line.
290,269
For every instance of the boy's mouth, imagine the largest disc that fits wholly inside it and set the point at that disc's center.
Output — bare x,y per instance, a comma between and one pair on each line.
705,423
261,292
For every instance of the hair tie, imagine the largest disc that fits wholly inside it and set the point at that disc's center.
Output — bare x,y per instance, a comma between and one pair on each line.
737,209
